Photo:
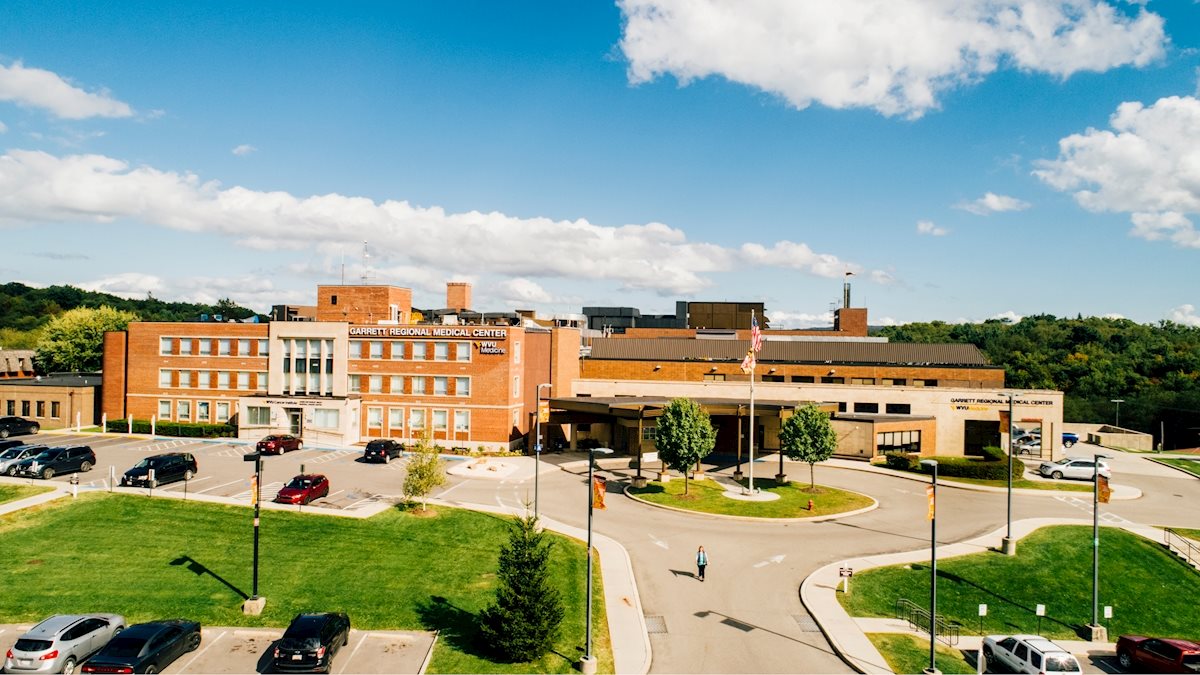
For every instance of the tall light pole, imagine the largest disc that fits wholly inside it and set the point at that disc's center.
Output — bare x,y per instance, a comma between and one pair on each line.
1008,546
1098,633
1118,401
537,445
587,665
932,669
255,495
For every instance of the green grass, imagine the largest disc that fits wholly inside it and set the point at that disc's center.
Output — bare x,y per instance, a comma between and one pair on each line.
706,496
1188,465
910,654
1190,534
1023,483
1151,592
149,558
9,493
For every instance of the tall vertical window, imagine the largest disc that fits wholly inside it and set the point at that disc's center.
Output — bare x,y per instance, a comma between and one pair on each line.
243,348
462,351
164,410
416,420
10,408
396,384
185,378
398,350
183,410
440,420
55,409
205,346
222,379
223,346
439,386
222,411
164,346
262,347
516,352
418,351
417,384
516,386
375,417
396,419
164,378
354,384
462,421
243,380
376,384
356,349
185,346
41,409
202,411
441,351
462,386
376,349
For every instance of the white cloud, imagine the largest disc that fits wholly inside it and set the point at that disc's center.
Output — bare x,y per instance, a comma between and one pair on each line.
520,291
1009,316
38,187
1186,315
248,291
1147,165
243,150
895,56
783,319
993,203
37,88
3,128
927,227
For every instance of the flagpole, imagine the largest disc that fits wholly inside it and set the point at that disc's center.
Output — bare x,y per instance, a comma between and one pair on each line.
753,367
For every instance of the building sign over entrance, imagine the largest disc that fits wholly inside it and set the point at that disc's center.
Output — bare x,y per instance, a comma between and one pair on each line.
430,331
972,403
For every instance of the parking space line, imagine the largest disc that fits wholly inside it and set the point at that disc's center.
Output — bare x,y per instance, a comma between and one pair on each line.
218,487
450,489
334,494
179,485
200,652
346,663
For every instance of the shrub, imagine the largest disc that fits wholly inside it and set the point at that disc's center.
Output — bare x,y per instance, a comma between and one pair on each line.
970,467
166,428
900,461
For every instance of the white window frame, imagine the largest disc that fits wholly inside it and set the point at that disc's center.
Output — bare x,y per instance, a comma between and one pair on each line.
417,384
185,346
354,384
327,418
419,351
224,345
396,384
442,425
416,420
205,348
243,380
222,379
462,421
185,379
222,411
164,346
441,351
165,404
459,389
374,384
203,411
462,352
395,418
183,410
374,417
164,378
516,386
440,384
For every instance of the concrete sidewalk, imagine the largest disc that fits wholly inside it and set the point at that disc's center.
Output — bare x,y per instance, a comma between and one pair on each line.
819,591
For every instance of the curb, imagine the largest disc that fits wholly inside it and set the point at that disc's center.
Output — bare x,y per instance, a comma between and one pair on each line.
1177,468
950,482
812,519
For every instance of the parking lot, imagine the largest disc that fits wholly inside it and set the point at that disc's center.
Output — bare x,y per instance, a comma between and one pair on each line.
249,650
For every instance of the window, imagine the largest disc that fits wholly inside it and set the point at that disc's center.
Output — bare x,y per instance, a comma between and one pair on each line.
924,383
202,411
164,410
441,351
262,381
223,379
185,346
648,433
833,380
333,299
314,382
185,378
203,379
376,349
222,411
462,386
440,420
898,408
516,422
55,409
164,378
164,346
398,349
396,418
1035,660
183,410
803,379
714,377
41,409
516,352
355,384
439,386
774,378
416,420
326,418
418,351
258,415
243,380
866,407
898,441
205,347
375,417
262,347
516,386
396,384
375,384
894,381
10,408
24,408
243,347
462,351
462,421
862,380
417,385
223,346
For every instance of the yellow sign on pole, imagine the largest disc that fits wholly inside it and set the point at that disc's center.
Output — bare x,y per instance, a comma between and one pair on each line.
1105,491
253,489
544,412
932,502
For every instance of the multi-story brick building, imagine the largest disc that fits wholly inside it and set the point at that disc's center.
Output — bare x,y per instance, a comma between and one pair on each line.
360,370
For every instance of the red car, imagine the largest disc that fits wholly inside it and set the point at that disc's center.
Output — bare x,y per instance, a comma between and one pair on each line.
303,489
277,444
1139,654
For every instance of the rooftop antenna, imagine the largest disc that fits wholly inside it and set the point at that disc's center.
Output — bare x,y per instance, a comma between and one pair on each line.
343,267
366,272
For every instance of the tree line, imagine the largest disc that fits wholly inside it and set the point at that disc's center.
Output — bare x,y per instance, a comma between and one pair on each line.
1153,368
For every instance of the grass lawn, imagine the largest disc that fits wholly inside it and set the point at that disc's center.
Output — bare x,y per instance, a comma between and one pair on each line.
1190,534
9,493
151,558
1151,592
908,654
1189,465
1023,483
706,496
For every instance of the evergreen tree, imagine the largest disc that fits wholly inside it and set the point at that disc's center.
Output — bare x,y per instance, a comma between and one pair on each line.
684,436
522,624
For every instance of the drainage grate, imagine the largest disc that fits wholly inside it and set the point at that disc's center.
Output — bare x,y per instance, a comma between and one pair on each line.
656,624
807,624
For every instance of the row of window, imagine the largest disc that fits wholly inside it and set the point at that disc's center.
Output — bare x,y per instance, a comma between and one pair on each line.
203,412
885,381
417,385
188,346
418,418
33,409
211,379
898,441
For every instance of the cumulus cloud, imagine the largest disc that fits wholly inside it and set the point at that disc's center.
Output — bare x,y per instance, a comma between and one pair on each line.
243,150
783,319
37,88
39,187
927,227
1146,165
993,203
248,291
895,56
1186,315
1009,316
520,290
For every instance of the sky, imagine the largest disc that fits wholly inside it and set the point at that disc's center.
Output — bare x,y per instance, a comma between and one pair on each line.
955,160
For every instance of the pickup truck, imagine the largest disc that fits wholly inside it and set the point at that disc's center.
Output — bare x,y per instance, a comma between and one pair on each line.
1070,438
1139,654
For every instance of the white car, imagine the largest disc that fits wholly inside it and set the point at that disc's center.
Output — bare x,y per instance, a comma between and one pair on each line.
10,457
1028,654
1081,468
62,642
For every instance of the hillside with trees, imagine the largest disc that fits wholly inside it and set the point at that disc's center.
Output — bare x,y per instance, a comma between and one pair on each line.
1154,368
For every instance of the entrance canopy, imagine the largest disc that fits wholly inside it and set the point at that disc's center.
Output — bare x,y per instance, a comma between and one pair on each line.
596,409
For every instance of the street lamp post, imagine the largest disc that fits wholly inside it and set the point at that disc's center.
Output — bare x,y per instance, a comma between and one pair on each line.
1008,545
537,446
588,664
255,494
1099,633
1118,401
932,669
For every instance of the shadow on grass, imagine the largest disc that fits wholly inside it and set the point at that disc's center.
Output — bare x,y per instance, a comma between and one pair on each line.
950,576
200,569
456,626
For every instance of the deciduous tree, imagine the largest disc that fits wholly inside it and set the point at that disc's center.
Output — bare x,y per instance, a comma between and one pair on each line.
74,340
425,471
807,436
685,435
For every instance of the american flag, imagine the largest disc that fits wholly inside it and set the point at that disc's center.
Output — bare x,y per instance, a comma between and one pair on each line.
755,335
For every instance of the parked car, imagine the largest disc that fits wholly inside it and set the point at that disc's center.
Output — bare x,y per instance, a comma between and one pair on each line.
10,443
303,489
1033,447
60,643
14,426
382,450
168,468
310,643
1028,654
12,456
53,461
277,444
1139,654
146,647
1070,438
1022,439
1073,467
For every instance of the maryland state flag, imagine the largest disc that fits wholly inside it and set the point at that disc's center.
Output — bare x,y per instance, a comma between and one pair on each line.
599,487
932,502
749,362
1104,491
253,489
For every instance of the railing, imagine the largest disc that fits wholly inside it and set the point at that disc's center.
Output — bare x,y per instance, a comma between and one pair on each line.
1186,548
918,618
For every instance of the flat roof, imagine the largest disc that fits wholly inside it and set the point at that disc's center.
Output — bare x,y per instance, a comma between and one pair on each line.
789,351
652,406
55,380
878,417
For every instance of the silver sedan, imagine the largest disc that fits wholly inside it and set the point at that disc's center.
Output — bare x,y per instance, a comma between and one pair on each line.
59,644
10,457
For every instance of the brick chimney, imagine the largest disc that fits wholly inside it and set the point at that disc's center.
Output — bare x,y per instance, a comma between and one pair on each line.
458,295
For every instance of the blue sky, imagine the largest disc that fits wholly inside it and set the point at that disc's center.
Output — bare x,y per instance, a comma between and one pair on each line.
983,159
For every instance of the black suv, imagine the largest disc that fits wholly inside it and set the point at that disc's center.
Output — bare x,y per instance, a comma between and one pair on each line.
17,425
54,461
167,468
310,642
382,450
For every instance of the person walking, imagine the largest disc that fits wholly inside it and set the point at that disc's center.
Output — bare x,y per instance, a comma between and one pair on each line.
701,562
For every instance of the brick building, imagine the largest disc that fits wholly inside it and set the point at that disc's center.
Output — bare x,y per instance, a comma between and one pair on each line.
53,401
